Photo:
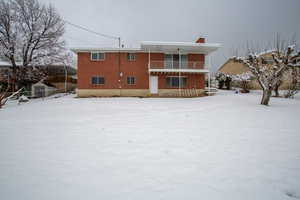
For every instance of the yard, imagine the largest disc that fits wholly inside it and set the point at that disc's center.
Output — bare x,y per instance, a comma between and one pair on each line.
221,147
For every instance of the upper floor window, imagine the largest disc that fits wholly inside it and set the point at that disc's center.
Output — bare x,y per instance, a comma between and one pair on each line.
98,80
131,57
95,56
130,80
175,61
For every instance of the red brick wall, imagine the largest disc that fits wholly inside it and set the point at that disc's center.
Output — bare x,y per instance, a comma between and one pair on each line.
198,58
109,69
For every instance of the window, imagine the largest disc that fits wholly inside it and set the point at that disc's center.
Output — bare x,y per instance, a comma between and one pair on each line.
97,80
175,61
176,81
95,56
130,80
131,57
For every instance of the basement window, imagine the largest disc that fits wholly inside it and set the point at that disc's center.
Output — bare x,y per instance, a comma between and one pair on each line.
131,57
96,56
98,80
130,80
174,81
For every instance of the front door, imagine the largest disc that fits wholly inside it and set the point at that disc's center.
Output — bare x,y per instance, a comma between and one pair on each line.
153,84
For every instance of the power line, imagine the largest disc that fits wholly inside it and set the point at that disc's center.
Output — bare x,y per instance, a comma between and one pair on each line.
81,41
91,31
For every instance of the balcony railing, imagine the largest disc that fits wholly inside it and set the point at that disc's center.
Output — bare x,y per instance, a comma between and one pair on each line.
157,64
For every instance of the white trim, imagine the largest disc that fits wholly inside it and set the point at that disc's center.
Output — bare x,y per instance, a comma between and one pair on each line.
159,47
93,52
181,70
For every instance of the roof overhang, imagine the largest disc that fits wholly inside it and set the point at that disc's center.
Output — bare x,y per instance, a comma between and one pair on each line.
159,47
183,47
93,49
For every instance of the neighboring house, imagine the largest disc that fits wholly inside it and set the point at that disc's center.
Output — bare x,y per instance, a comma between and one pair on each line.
232,67
56,76
154,69
59,76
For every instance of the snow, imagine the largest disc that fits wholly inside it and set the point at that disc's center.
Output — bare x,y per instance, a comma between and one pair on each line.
220,147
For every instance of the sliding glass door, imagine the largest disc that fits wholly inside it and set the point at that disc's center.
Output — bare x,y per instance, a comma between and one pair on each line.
174,61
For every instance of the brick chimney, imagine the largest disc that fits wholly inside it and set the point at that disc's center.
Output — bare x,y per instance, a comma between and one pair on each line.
201,40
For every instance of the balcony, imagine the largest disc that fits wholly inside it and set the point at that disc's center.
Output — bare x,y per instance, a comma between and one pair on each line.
176,66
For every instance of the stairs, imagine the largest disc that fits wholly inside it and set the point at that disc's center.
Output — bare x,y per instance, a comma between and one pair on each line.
184,93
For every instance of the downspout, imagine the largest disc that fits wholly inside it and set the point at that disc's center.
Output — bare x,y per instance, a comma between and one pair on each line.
149,60
119,66
209,61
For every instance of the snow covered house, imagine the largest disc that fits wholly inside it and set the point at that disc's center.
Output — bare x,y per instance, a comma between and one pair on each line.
232,67
58,76
153,69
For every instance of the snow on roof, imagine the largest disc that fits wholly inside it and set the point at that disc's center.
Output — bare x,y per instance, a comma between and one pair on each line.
4,63
106,49
8,64
159,46
188,47
180,44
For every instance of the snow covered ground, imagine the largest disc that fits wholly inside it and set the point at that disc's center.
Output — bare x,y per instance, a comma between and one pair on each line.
221,147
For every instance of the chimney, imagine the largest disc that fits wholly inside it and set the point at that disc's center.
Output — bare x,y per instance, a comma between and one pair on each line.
201,40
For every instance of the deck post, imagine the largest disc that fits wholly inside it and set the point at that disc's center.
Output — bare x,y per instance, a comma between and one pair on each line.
209,75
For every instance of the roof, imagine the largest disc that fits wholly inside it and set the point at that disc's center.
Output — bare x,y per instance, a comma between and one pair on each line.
188,47
158,46
106,49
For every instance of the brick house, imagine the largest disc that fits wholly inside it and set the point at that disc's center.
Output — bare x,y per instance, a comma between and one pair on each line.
154,69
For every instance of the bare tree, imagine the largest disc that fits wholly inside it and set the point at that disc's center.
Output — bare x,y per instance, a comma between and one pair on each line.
269,76
30,33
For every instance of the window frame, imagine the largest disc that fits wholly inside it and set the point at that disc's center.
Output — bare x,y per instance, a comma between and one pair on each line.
180,82
129,79
98,57
98,82
129,57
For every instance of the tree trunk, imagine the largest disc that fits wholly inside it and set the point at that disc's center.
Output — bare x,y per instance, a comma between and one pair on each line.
276,90
13,79
266,97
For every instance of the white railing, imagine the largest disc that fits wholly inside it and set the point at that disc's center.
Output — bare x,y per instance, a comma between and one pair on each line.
158,64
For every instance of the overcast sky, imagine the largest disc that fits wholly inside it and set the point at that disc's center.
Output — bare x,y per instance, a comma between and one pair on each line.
229,22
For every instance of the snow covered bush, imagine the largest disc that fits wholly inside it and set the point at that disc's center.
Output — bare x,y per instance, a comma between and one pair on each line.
268,75
223,80
243,80
294,85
